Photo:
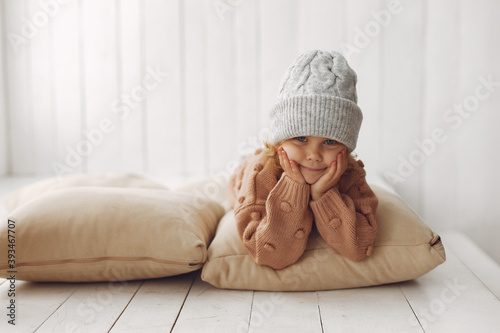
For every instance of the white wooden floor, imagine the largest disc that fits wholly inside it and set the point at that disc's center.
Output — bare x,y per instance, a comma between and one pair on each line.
462,295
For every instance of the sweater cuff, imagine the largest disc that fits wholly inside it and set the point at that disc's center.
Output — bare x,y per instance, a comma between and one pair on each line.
291,192
328,206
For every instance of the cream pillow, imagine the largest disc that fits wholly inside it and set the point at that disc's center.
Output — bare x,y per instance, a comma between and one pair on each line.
214,189
34,190
82,234
405,248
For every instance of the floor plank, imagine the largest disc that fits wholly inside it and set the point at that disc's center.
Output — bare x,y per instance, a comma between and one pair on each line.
93,307
34,302
462,295
482,265
373,309
208,309
285,312
452,299
156,305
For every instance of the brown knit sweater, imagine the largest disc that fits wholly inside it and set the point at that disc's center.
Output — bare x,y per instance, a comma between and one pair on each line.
274,214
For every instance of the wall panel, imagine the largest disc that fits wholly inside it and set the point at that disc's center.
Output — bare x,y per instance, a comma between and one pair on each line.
321,24
221,92
247,78
18,69
279,47
100,85
441,93
130,71
402,94
40,88
195,91
365,57
68,89
164,131
476,153
4,145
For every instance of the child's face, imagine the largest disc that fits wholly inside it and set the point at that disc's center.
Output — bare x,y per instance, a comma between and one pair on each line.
313,155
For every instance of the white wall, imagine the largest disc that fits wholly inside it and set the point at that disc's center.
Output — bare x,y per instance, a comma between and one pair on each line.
476,157
222,62
3,115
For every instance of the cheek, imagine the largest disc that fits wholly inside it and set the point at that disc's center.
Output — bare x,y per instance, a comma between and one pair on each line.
331,156
292,152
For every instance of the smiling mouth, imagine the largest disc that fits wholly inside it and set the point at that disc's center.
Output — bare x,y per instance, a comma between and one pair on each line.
311,169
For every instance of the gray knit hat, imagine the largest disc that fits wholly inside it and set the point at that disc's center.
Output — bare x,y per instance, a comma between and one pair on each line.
317,98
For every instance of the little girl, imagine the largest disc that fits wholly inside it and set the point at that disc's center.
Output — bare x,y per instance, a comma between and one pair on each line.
306,174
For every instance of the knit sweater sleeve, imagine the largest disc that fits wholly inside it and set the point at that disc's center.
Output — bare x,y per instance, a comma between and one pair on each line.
345,215
272,213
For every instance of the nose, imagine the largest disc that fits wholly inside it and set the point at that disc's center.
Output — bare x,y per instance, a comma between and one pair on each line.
314,155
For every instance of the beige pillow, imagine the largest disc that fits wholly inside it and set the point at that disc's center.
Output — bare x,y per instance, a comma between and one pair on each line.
34,190
81,234
214,189
405,248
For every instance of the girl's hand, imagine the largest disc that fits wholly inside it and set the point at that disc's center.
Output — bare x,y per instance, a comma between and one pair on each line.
331,177
291,168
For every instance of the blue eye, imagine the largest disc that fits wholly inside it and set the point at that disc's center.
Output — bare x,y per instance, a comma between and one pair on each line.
330,142
301,138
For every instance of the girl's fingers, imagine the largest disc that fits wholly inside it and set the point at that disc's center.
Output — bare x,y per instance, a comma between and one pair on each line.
345,161
295,167
340,163
333,168
329,175
297,175
291,168
284,158
285,163
280,157
333,175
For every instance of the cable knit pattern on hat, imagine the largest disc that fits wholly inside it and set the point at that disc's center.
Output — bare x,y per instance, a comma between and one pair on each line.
274,214
318,97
